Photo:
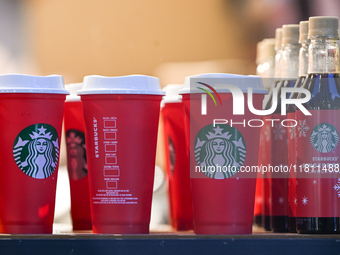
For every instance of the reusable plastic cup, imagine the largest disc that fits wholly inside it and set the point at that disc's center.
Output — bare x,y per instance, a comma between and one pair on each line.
177,159
121,124
74,127
31,113
221,145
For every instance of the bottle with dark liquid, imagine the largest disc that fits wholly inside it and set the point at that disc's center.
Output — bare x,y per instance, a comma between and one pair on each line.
303,69
318,195
279,184
266,58
265,149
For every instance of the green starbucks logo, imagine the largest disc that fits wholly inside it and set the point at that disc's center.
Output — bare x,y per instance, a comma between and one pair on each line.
220,151
324,137
36,150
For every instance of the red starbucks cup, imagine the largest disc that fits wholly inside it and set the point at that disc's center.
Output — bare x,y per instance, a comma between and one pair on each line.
121,124
31,110
177,160
74,127
224,141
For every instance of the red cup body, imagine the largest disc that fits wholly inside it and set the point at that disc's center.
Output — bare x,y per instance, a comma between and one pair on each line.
30,122
77,165
223,206
177,166
121,135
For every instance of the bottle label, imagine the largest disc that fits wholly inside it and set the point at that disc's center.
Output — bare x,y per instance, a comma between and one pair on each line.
317,164
279,186
265,159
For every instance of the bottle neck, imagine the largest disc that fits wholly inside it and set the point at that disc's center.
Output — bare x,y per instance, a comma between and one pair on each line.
277,72
303,59
268,68
323,56
290,61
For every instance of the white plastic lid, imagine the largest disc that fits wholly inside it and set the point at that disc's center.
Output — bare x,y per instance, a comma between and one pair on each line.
22,83
73,88
130,84
221,79
171,94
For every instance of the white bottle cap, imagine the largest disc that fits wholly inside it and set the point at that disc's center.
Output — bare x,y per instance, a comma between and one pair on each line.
130,84
290,34
259,52
303,31
327,26
278,38
22,83
269,48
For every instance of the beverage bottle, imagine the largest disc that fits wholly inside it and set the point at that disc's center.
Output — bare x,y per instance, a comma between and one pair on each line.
265,146
265,59
259,58
318,192
279,183
278,54
303,68
266,51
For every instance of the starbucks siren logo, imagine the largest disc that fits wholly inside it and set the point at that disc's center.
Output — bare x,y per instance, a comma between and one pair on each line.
76,154
36,150
324,137
220,151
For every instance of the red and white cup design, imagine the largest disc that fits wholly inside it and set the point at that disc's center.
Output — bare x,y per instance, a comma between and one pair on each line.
177,163
223,203
31,114
121,124
74,127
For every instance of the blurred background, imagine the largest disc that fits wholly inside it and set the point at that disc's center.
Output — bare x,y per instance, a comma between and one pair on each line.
166,39
169,39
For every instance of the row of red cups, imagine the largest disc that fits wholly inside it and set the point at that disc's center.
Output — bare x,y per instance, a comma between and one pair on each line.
121,121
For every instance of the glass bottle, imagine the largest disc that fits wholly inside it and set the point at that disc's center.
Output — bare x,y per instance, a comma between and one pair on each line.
266,58
289,75
318,192
266,131
303,69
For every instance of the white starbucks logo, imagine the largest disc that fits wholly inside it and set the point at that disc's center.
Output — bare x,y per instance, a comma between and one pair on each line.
324,137
36,150
220,151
